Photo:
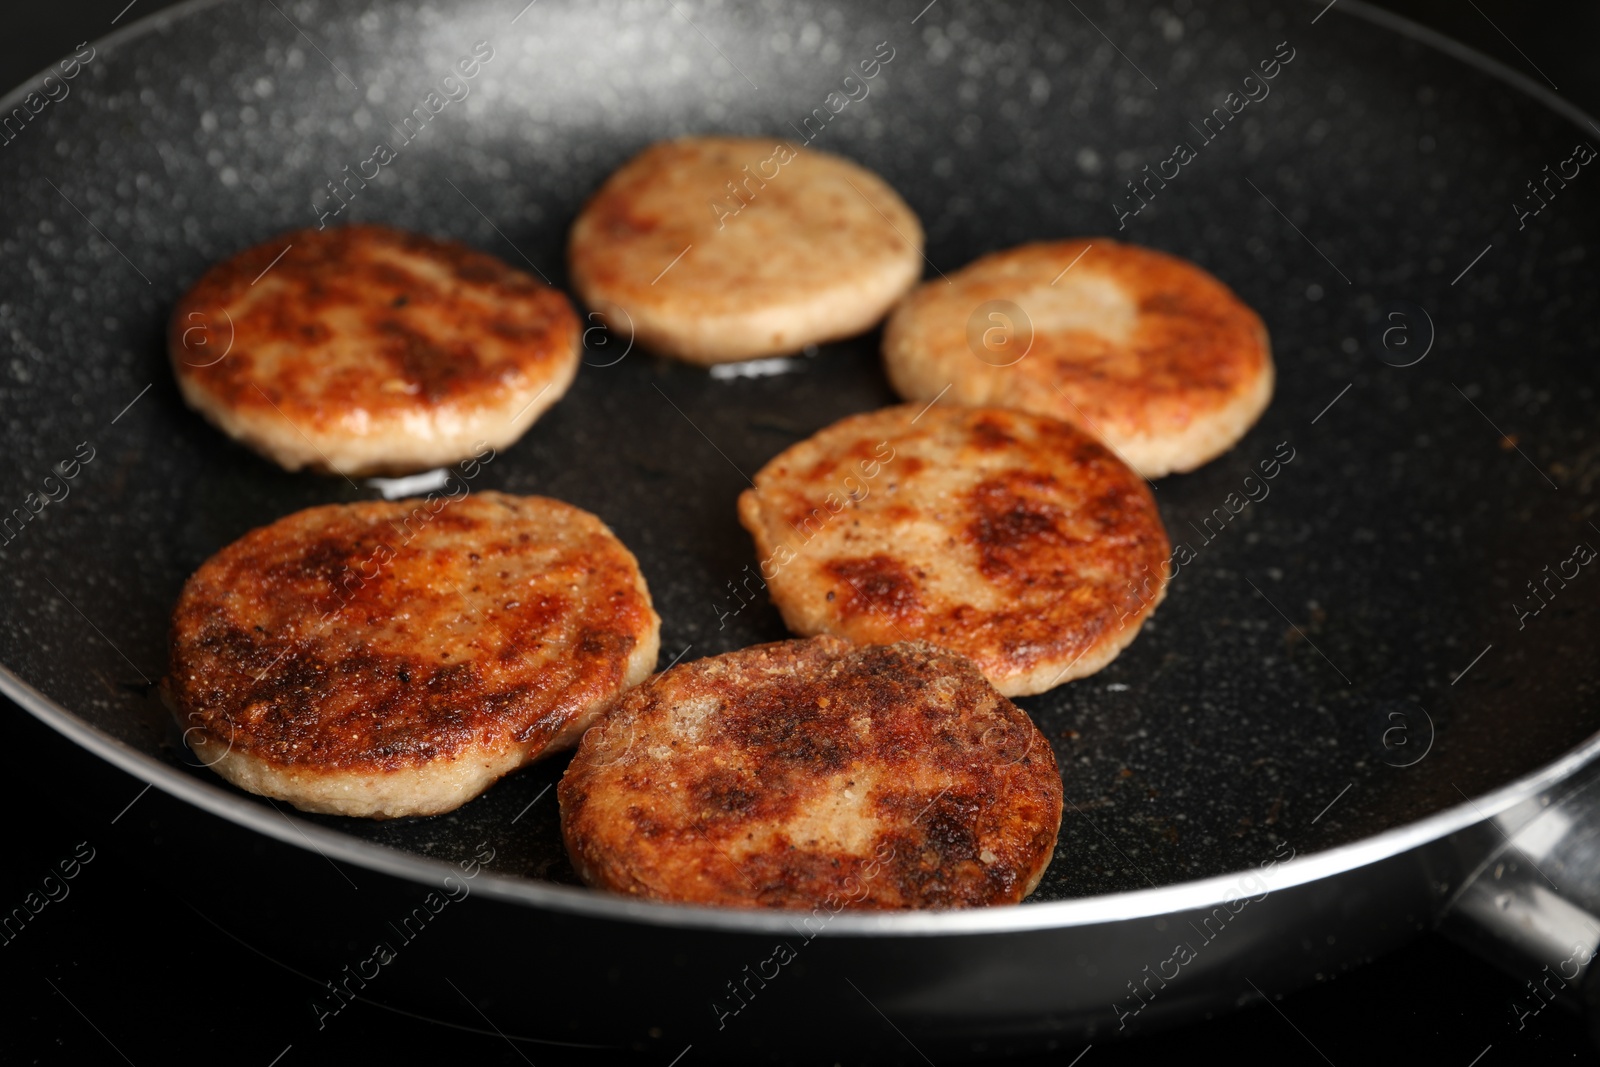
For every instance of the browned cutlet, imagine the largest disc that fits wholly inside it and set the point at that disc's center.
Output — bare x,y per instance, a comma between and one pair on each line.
387,659
1146,351
366,350
815,773
1016,540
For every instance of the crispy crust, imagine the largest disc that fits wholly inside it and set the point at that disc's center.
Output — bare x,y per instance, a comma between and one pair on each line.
811,774
1013,539
806,247
386,659
1148,352
367,350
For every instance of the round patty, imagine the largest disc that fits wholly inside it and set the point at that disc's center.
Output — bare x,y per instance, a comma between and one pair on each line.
723,248
1148,352
812,774
1014,539
387,659
367,350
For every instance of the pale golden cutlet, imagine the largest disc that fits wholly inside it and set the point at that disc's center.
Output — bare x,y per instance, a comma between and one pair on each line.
718,249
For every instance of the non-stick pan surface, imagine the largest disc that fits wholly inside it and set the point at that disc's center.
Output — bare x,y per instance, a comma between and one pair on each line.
1371,636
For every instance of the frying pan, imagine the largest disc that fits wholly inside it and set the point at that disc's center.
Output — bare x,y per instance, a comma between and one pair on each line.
1366,707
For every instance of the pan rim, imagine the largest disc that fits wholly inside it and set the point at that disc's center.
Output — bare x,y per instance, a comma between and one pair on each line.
1197,895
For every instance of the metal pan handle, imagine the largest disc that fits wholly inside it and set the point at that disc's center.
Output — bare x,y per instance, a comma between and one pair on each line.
1533,907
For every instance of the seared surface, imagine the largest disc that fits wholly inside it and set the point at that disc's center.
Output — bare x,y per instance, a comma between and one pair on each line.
367,349
1146,351
356,643
812,774
1014,539
715,249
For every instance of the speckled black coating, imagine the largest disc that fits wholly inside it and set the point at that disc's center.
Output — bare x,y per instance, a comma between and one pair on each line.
1387,556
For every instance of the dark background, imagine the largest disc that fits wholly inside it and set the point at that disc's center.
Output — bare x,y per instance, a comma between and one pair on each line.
149,982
